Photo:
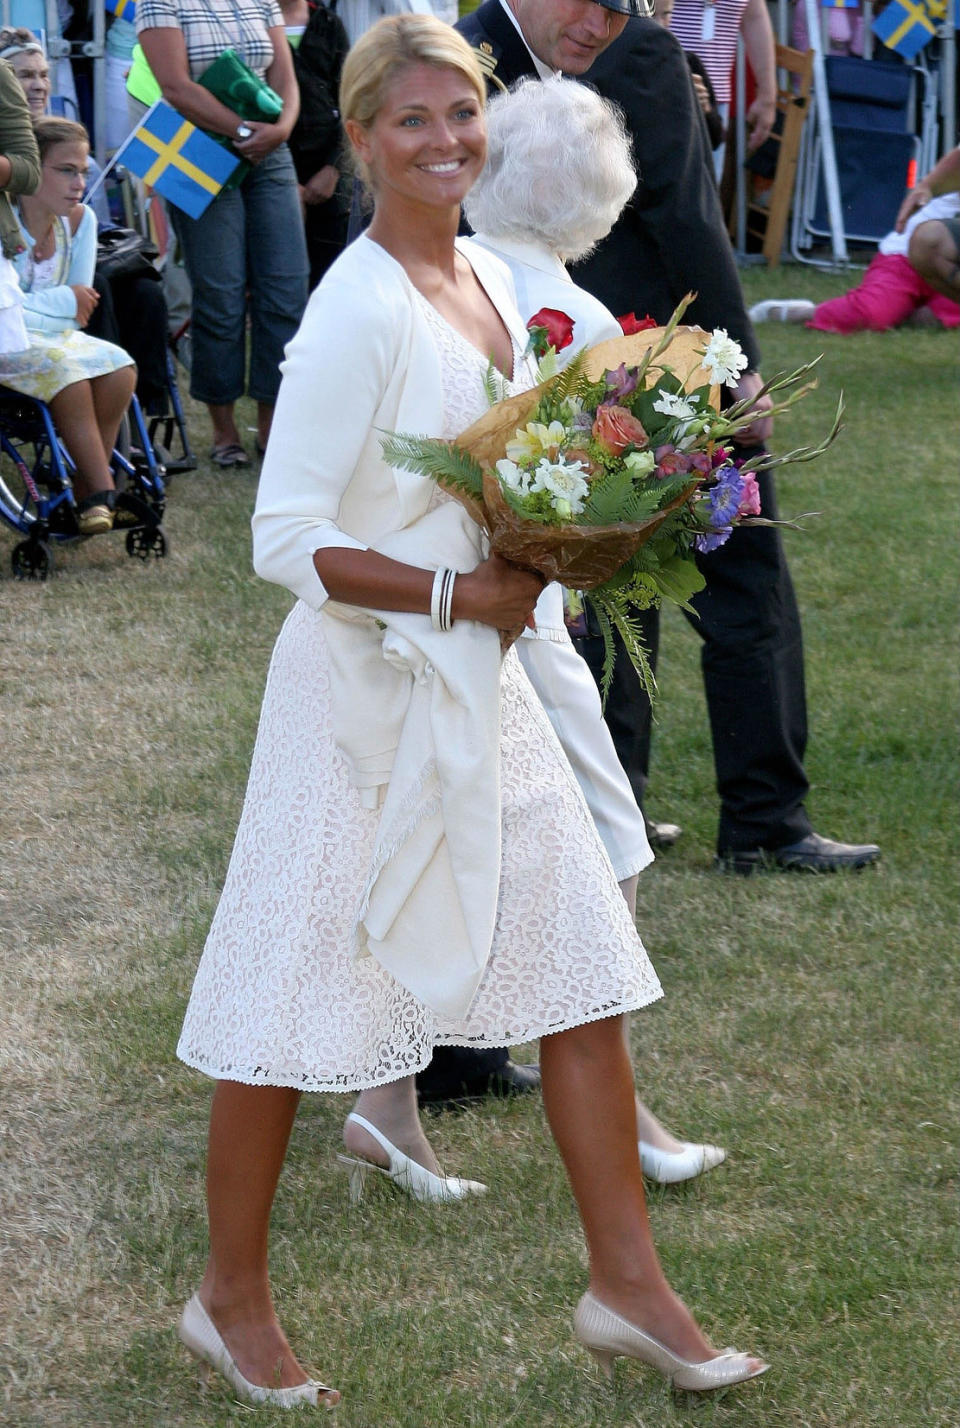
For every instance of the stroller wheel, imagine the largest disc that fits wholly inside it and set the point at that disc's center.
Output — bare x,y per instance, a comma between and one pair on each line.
146,541
31,560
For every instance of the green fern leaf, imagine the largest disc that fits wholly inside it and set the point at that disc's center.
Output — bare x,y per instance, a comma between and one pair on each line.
429,456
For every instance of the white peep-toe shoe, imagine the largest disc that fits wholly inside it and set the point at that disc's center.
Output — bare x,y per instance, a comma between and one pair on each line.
608,1335
668,1167
415,1180
201,1336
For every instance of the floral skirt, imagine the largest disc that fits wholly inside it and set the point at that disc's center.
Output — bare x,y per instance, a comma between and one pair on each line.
55,361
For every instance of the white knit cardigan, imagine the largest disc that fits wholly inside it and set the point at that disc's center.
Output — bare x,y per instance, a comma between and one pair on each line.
415,711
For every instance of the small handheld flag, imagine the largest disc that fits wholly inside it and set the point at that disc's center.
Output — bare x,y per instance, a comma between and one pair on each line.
839,4
123,9
177,159
904,26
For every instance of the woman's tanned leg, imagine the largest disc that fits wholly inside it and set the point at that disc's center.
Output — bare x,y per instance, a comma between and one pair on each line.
589,1099
249,1130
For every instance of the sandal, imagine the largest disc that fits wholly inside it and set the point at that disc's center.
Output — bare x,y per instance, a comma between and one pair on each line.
95,514
231,453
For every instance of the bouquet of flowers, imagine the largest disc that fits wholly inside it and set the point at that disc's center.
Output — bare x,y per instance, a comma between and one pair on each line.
614,473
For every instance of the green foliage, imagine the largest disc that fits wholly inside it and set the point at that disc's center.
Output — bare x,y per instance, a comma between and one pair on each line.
614,612
492,384
536,506
428,456
614,498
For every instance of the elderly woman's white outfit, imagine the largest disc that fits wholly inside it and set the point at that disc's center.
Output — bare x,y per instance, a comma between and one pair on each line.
415,863
559,675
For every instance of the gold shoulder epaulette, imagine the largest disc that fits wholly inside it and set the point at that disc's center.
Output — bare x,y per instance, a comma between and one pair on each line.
488,61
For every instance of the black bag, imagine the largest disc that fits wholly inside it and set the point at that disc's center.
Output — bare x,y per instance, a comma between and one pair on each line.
125,253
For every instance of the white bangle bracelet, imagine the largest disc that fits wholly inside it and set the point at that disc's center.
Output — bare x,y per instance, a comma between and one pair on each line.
446,603
441,599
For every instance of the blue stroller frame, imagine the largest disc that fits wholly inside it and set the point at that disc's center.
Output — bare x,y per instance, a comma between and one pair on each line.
36,486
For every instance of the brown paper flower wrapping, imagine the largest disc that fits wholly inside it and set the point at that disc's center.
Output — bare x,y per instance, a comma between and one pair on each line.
582,557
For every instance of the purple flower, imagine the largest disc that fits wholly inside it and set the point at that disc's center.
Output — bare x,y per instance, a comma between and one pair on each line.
620,384
723,498
712,540
723,507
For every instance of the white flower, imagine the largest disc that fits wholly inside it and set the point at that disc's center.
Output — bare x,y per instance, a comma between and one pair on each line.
674,404
639,463
724,358
512,477
536,440
565,482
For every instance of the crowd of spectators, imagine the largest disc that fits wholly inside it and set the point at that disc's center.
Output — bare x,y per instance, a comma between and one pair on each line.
266,242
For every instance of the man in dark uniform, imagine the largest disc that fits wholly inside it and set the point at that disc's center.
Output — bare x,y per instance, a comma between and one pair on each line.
671,240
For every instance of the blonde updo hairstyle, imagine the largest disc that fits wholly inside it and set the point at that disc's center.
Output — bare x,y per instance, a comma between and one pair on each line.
386,49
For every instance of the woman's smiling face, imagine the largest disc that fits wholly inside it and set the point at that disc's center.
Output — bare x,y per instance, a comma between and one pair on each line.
34,75
428,141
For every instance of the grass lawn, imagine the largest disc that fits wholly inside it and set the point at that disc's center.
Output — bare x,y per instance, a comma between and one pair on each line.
809,1024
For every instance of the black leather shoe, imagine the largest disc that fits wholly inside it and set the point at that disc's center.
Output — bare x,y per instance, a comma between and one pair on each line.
811,854
662,835
507,1079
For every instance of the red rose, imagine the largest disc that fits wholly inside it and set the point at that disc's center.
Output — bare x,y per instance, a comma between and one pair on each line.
631,323
557,326
616,428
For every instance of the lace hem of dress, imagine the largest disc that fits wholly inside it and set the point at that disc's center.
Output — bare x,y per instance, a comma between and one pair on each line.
262,1076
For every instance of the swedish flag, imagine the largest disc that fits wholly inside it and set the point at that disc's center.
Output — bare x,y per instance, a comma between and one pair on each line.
839,4
905,26
123,9
178,159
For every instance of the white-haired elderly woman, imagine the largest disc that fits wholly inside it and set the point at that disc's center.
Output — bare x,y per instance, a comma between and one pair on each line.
534,213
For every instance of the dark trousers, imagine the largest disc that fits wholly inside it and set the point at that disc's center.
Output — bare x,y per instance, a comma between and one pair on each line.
752,661
132,312
453,1065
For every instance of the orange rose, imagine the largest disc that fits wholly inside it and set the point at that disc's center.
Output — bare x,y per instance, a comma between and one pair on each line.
616,428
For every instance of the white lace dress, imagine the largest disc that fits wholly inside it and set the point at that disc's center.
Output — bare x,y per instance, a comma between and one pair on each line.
280,1000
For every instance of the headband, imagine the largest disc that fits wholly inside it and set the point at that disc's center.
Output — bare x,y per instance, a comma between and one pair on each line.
17,49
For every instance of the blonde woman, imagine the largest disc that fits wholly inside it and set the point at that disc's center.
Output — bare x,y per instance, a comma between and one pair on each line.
454,891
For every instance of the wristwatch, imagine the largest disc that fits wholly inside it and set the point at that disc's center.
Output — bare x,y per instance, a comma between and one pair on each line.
243,131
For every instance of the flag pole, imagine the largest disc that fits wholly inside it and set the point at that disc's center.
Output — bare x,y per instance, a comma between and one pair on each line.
118,154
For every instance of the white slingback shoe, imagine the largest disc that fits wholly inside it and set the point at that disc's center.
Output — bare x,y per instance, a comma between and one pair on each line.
669,1167
413,1179
201,1336
608,1335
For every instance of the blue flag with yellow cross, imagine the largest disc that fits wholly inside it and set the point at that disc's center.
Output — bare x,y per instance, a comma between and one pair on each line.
905,26
177,159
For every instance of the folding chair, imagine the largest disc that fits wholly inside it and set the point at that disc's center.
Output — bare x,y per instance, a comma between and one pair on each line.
870,108
768,209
